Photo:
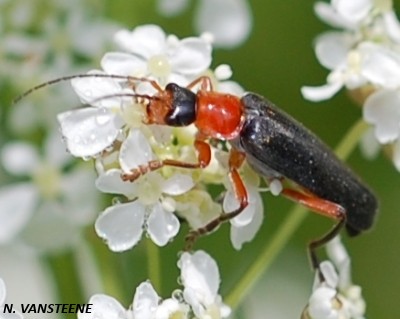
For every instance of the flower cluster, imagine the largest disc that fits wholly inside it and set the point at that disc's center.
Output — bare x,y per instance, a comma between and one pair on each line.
364,57
198,299
335,296
112,129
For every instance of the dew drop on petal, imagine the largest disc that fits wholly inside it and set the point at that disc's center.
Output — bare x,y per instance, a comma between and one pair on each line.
103,117
116,200
177,295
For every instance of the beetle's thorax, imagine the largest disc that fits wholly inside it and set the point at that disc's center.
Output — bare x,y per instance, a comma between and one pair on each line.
219,115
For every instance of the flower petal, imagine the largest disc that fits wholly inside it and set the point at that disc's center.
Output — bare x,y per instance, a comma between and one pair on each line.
145,41
192,56
111,182
135,151
369,145
121,225
229,21
320,93
55,151
104,307
19,158
162,226
123,63
171,8
380,65
172,308
89,131
145,301
392,25
354,10
381,109
94,90
17,204
321,304
177,184
200,274
82,206
332,48
241,234
329,15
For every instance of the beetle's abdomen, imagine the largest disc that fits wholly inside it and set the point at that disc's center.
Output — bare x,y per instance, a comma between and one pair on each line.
273,139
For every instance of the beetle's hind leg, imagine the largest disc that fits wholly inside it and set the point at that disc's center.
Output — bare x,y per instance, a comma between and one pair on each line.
319,242
325,208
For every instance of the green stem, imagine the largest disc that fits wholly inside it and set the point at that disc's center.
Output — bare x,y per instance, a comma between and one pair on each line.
66,278
287,229
109,267
153,264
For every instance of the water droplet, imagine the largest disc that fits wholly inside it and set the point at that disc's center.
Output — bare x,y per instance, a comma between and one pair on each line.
116,200
103,117
178,295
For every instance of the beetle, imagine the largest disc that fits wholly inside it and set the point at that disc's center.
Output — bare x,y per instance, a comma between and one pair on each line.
274,144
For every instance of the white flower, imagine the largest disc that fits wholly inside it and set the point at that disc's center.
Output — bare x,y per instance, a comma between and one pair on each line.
53,200
144,306
228,21
344,14
69,39
90,130
364,53
152,206
151,53
200,278
3,314
246,225
336,297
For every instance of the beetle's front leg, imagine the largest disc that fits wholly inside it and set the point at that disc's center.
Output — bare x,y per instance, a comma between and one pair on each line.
203,159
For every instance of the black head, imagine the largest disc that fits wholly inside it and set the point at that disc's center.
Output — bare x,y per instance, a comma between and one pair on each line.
183,106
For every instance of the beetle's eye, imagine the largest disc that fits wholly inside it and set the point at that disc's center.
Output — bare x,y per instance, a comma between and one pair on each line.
183,108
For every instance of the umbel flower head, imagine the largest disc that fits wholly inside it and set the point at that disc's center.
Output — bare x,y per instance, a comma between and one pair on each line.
335,297
113,129
199,298
364,57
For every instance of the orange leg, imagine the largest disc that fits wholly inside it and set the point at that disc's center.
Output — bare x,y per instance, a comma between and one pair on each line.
203,155
204,81
323,207
236,159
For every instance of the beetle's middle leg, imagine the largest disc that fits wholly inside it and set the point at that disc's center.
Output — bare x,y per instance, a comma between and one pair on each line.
236,159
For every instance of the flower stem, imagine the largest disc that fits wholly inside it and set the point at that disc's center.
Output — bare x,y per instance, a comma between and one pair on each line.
153,264
109,267
288,227
66,277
